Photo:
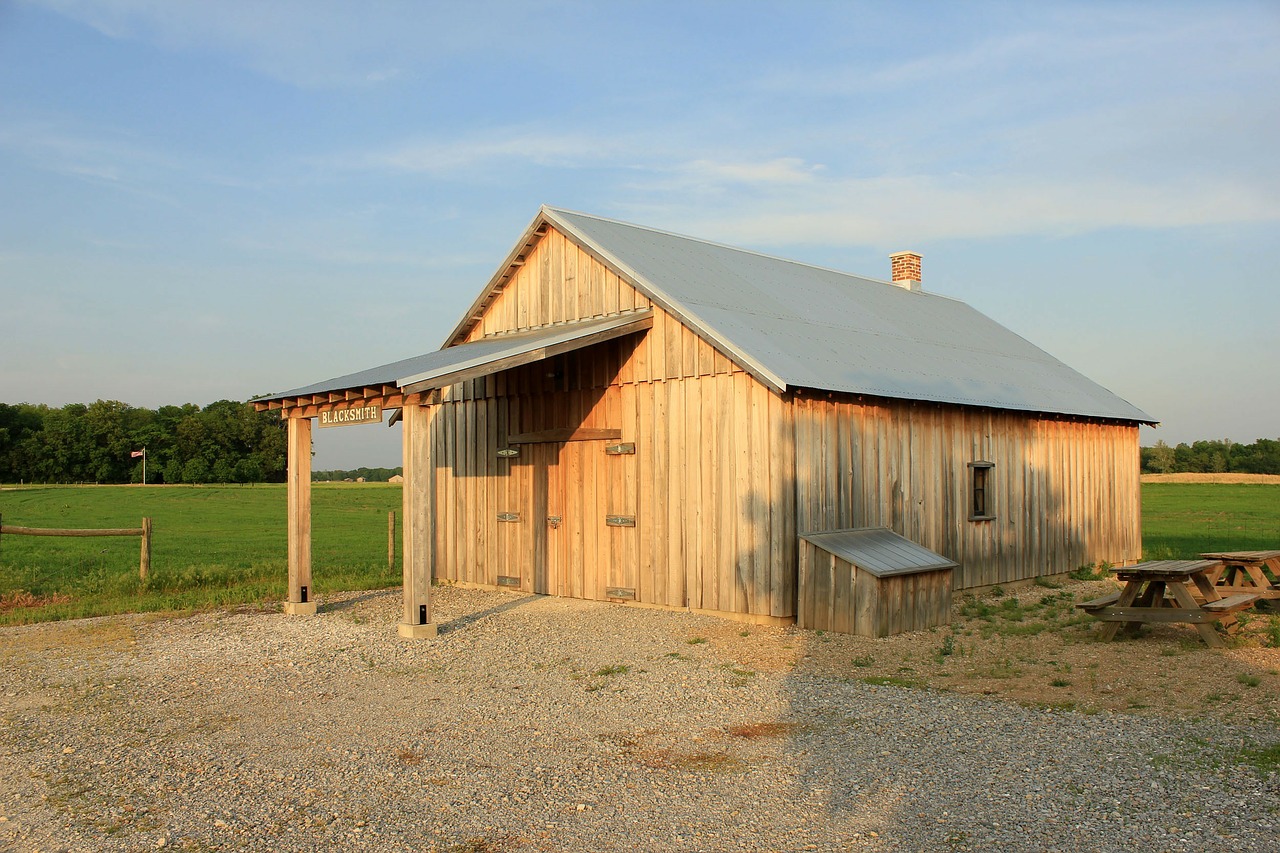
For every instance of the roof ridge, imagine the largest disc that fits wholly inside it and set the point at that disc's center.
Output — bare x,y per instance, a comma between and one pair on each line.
844,273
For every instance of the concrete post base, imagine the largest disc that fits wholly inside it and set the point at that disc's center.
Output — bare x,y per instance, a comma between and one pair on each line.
417,632
300,608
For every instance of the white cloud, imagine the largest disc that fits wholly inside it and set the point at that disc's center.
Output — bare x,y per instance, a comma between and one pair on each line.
891,211
780,170
495,148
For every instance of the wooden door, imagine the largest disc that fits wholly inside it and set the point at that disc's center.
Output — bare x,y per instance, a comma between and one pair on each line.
576,552
547,564
566,523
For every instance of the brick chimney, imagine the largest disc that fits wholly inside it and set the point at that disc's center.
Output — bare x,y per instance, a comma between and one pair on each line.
906,270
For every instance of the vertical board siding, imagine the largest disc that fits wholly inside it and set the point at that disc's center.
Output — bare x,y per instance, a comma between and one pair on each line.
726,473
558,282
1063,493
710,484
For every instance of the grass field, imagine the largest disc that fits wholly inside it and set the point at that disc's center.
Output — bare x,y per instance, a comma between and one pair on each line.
212,546
225,545
1180,520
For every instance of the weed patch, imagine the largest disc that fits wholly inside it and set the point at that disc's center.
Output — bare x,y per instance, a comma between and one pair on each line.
613,669
1266,759
20,598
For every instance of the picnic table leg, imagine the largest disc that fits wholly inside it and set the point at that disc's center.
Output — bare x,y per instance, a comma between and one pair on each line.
1127,597
1183,596
1258,576
1152,596
1206,588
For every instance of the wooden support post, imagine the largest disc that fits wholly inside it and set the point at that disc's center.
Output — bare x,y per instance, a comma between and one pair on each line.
301,600
391,540
418,529
144,566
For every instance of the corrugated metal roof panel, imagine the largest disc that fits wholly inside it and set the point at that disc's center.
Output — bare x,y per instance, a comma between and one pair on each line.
423,368
807,327
879,551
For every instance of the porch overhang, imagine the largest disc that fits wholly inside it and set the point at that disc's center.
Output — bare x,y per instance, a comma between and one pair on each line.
491,355
398,383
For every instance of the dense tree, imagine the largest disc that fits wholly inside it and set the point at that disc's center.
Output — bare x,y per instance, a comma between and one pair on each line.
225,442
1213,457
370,475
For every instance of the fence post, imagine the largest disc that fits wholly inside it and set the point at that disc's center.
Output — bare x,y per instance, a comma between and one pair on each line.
391,541
144,567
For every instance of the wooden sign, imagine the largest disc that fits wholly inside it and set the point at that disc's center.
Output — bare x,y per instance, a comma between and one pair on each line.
351,417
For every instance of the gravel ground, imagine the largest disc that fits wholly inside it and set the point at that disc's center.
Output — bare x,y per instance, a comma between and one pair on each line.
538,723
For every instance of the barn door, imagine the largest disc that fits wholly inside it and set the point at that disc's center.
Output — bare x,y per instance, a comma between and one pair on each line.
545,519
565,523
578,554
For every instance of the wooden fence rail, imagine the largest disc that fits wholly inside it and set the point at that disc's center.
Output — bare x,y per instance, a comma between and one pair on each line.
144,564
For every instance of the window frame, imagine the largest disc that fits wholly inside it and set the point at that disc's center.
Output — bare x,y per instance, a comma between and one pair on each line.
980,491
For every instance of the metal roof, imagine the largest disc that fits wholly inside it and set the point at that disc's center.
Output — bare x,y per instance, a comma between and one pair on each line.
441,367
799,326
879,550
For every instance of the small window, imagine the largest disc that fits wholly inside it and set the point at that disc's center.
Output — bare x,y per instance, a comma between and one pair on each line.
981,506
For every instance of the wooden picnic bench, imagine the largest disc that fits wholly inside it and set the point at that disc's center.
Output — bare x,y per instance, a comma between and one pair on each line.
1254,572
1162,591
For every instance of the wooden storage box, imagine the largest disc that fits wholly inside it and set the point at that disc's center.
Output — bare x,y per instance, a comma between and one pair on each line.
871,582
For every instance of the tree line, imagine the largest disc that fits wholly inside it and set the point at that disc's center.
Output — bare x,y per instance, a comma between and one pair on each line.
1213,457
369,475
224,442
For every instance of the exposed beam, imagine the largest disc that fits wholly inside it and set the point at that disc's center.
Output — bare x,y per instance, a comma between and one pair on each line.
570,434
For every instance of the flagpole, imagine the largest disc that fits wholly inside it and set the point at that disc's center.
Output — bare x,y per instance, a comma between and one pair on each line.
144,465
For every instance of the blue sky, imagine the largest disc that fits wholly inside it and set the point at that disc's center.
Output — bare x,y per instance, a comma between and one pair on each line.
220,200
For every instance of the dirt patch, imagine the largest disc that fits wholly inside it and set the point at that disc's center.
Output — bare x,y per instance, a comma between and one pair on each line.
87,639
1035,648
1226,479
755,730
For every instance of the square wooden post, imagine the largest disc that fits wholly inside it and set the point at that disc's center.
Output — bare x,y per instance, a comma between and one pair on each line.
418,524
301,600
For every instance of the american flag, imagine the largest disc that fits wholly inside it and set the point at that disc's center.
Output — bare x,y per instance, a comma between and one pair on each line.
135,454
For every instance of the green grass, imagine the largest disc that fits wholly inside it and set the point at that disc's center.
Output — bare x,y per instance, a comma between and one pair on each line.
226,545
1182,520
1266,759
212,546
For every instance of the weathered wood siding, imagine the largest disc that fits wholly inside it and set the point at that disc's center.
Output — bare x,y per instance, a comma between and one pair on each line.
558,282
726,472
710,484
836,595
1063,493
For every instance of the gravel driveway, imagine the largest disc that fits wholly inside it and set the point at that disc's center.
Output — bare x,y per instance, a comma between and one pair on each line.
538,723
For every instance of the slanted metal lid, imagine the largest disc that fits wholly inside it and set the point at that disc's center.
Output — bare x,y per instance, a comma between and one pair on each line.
879,550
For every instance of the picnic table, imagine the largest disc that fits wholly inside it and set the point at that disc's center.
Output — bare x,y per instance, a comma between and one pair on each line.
1256,572
1167,591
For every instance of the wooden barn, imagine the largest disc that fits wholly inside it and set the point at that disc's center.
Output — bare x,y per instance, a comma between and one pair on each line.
629,415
